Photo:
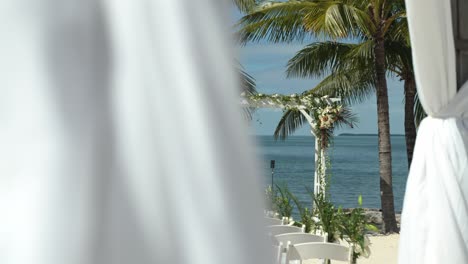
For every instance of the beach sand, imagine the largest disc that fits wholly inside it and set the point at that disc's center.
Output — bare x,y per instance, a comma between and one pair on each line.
384,250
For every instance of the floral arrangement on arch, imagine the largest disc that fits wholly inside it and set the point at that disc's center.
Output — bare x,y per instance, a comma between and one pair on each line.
328,116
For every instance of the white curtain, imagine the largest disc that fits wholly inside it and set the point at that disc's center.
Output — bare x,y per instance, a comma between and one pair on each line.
434,226
121,139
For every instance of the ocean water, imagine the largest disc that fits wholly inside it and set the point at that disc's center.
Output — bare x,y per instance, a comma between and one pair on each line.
354,167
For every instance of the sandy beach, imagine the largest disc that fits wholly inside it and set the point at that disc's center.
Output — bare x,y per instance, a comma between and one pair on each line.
384,250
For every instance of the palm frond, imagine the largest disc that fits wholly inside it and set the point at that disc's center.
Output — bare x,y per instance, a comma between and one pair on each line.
317,59
247,82
248,86
351,86
244,5
338,20
363,51
346,118
277,22
294,20
290,121
419,113
399,31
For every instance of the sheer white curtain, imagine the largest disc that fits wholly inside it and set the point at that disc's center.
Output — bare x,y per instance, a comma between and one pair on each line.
435,212
121,140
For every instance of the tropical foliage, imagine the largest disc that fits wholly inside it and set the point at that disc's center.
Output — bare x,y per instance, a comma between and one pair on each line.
325,218
248,87
283,201
357,35
329,218
305,213
354,226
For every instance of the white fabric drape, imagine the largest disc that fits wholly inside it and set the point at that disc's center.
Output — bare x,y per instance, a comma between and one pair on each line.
121,140
434,226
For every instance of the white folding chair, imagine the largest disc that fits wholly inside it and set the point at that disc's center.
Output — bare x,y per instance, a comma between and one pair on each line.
277,251
277,230
272,221
299,238
294,238
318,250
274,230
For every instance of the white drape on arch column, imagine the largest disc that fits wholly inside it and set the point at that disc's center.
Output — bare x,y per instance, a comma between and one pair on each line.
121,137
434,226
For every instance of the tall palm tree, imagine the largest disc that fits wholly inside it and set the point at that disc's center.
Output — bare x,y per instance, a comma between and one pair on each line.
365,21
403,68
351,70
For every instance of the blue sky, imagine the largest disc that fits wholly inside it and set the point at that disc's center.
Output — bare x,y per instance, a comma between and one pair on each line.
267,63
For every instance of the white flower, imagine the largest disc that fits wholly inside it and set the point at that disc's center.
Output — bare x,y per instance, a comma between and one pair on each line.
366,241
315,219
337,235
357,249
366,251
328,109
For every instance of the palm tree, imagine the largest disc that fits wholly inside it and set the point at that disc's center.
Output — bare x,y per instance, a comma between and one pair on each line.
402,66
351,70
365,21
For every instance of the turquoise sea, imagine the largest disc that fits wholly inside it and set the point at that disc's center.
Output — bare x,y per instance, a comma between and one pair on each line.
355,167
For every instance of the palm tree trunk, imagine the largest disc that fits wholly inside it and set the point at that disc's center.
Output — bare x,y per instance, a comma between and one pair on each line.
410,126
385,150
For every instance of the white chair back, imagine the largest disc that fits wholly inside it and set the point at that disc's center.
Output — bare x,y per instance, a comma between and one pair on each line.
273,221
298,238
277,249
284,240
283,229
319,250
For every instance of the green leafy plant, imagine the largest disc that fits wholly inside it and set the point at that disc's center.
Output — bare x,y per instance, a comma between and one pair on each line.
270,198
304,212
283,201
329,218
354,226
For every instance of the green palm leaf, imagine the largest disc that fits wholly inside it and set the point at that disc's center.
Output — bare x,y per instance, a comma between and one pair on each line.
279,22
290,121
349,86
244,5
248,86
419,113
317,59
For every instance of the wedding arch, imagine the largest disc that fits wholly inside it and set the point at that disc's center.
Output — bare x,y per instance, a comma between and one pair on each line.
321,114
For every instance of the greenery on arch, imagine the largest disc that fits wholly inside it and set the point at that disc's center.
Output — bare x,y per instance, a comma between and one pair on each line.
324,114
